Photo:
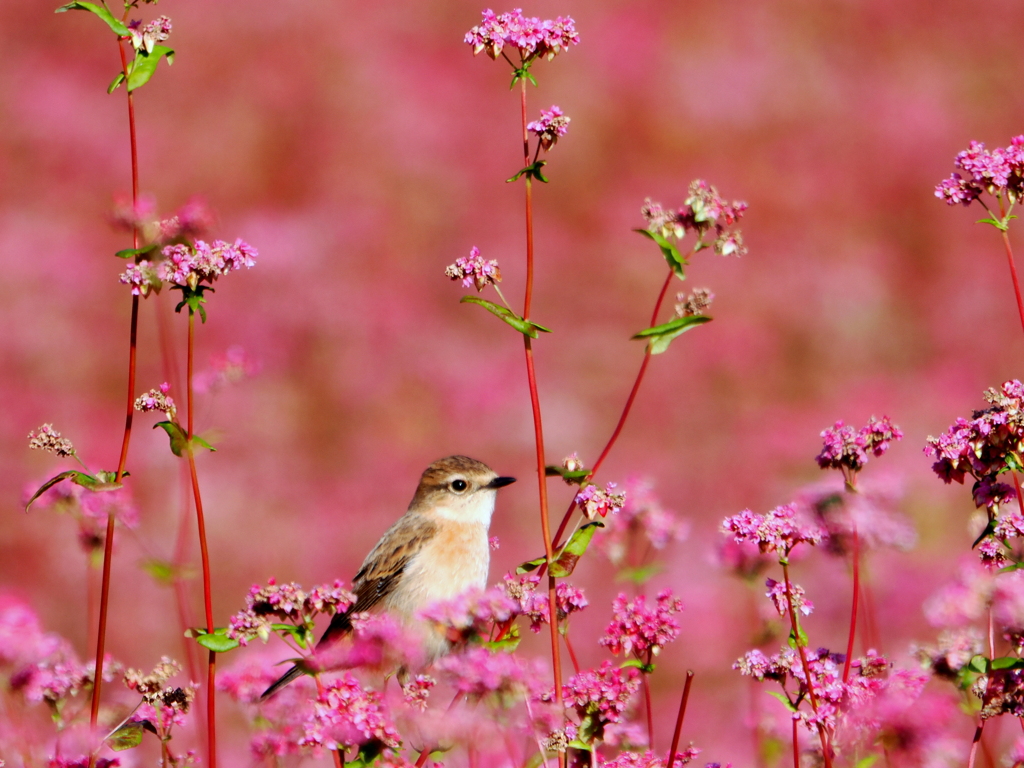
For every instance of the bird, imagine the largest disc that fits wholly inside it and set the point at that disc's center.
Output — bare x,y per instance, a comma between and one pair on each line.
436,551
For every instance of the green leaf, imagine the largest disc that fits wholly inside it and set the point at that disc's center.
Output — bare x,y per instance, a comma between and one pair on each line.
128,736
531,565
144,66
582,745
1007,662
96,484
636,663
197,440
660,336
179,440
641,574
118,79
163,571
803,639
565,561
118,27
783,698
978,664
675,260
575,476
527,327
508,643
989,530
218,643
866,762
128,253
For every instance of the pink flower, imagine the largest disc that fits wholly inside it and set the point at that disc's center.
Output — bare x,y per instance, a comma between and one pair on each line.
650,759
602,693
996,171
777,531
48,439
777,594
847,450
552,125
592,501
142,277
347,714
286,603
641,522
641,629
703,210
473,270
478,672
532,602
532,37
157,400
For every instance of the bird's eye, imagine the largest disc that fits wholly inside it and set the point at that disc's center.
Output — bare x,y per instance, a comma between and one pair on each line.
459,485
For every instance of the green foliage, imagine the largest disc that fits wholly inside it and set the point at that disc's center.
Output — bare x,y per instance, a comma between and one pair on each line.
532,171
527,327
576,476
193,298
216,641
129,253
127,736
144,65
101,481
675,260
661,336
564,562
117,26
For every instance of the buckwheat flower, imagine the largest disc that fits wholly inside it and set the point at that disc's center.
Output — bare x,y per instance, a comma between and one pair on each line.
730,244
128,215
532,602
552,125
474,270
777,594
572,463
478,672
157,400
761,667
415,692
694,303
145,37
641,629
650,759
871,513
187,266
958,191
954,651
347,714
990,169
46,438
531,37
142,277
61,761
778,531
642,522
963,601
377,642
593,501
848,451
1001,692
602,693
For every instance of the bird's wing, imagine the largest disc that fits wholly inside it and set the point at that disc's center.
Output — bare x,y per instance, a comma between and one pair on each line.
382,569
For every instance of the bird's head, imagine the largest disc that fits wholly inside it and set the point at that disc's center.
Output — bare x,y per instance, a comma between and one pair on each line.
458,488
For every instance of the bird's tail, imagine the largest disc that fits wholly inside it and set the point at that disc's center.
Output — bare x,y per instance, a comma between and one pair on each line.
281,682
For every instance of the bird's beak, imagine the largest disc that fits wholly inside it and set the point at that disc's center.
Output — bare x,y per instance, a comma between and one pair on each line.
501,482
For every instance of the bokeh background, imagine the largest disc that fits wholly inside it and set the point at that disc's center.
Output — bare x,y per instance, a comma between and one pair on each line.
361,148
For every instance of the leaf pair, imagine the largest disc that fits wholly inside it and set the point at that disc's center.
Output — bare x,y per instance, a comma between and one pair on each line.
179,438
101,481
660,336
527,327
564,563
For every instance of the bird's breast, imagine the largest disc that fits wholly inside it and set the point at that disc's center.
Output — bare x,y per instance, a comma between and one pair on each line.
455,560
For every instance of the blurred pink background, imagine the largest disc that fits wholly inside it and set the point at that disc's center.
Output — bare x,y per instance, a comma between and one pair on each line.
361,148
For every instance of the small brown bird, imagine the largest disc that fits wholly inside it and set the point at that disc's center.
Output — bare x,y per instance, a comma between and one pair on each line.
436,551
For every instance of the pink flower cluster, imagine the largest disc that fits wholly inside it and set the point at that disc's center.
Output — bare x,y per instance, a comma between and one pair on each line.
472,613
847,450
650,759
532,37
346,714
48,439
703,210
778,531
474,270
592,501
601,694
189,265
157,400
996,171
642,519
287,603
777,594
145,37
533,602
641,629
162,706
552,124
478,672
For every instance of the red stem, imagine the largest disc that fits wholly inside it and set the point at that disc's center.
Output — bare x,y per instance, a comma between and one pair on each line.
1013,275
211,720
856,602
625,410
572,653
650,711
974,744
679,719
538,429
806,667
108,545
796,745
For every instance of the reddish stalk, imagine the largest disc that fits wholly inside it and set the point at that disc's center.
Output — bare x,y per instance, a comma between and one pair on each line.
572,654
650,710
974,744
625,410
1013,275
538,427
679,719
806,667
108,544
211,720
856,602
796,746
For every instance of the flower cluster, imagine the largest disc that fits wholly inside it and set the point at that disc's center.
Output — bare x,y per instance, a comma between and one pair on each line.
48,439
162,706
641,629
847,450
346,714
145,37
189,265
703,210
157,400
532,37
474,270
953,652
870,513
600,696
285,602
696,302
777,594
593,501
996,171
478,672
229,367
533,603
472,613
552,124
778,531
650,759
89,509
